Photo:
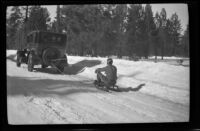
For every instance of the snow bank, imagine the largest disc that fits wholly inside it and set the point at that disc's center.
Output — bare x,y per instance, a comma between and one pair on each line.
170,82
11,52
171,57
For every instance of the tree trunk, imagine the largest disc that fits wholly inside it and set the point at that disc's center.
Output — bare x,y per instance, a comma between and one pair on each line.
26,18
155,49
162,49
120,51
94,52
147,49
173,50
58,19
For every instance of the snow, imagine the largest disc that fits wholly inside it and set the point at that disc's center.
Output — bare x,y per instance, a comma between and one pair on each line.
43,97
165,57
161,79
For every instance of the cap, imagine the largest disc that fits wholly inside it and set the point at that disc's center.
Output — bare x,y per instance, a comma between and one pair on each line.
109,61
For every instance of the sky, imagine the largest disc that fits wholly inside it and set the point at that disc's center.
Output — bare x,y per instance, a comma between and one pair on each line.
180,9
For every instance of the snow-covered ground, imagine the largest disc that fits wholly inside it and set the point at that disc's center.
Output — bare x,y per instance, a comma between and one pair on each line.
150,92
167,57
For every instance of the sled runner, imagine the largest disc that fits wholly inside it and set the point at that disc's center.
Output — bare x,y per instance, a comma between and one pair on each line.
101,86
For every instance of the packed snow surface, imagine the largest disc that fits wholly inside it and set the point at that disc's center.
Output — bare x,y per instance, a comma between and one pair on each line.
150,92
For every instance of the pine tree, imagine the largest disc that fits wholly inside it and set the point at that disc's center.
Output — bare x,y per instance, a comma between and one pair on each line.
175,32
149,23
155,35
38,18
119,27
163,20
169,45
108,43
92,29
132,45
83,24
185,42
59,30
141,34
13,24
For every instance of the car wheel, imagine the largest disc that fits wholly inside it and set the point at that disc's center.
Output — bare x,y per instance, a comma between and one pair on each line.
50,54
18,63
30,63
44,66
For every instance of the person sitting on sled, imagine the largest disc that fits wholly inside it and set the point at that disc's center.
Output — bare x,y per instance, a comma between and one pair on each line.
110,77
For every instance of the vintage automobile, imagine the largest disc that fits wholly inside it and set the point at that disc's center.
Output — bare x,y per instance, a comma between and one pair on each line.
42,48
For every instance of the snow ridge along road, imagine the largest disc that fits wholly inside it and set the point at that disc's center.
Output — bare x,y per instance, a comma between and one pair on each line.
45,97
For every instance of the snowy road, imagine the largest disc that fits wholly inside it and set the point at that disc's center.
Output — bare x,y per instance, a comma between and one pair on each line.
42,96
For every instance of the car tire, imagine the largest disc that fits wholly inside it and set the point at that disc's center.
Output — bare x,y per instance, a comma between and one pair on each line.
30,62
44,66
49,54
18,63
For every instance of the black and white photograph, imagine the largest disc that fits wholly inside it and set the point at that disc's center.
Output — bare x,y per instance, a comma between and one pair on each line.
97,63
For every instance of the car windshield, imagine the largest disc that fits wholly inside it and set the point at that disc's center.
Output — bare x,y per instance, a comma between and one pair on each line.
53,38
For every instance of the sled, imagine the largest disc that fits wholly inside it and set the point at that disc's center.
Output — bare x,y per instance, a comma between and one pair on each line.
101,86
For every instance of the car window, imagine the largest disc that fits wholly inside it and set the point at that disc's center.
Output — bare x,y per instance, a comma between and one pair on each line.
52,38
30,38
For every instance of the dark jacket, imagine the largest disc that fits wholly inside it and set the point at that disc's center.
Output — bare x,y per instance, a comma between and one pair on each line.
110,71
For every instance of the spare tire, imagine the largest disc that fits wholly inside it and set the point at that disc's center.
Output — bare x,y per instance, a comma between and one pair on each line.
50,54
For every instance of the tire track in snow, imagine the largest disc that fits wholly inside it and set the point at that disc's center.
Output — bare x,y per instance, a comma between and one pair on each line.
113,113
124,100
120,104
55,113
157,107
166,110
47,104
47,112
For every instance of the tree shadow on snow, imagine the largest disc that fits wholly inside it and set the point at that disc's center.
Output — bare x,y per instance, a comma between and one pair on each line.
120,89
11,57
80,66
72,69
45,87
49,70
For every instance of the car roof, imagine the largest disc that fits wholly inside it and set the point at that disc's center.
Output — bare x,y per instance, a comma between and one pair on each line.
32,32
